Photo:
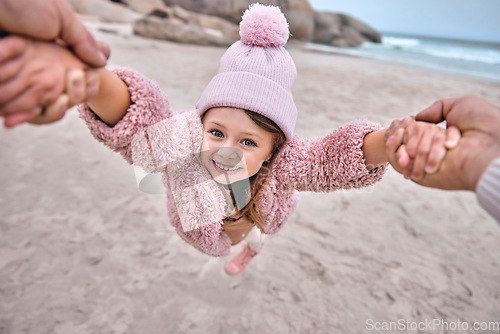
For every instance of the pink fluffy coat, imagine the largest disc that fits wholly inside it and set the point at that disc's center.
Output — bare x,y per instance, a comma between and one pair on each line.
316,164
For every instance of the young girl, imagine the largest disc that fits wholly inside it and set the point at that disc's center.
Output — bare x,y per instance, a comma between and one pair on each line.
233,166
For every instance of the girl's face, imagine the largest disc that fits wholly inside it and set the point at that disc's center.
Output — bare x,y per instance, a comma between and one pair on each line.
234,147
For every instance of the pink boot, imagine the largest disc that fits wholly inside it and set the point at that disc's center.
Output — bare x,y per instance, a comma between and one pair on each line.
241,260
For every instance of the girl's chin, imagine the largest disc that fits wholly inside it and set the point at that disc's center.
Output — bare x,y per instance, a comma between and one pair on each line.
227,179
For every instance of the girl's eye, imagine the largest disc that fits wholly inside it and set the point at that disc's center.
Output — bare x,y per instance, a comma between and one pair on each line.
248,142
217,133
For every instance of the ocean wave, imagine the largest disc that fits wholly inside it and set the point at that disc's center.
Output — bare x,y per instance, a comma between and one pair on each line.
445,49
487,57
400,41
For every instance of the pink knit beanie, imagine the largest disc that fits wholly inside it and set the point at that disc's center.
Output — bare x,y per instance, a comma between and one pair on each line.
256,73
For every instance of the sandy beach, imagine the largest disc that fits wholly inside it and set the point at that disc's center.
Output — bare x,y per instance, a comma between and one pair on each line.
82,250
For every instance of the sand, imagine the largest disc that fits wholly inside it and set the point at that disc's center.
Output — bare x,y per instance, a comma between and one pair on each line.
82,250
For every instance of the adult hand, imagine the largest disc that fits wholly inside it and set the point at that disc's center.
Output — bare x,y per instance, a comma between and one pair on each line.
34,82
50,20
421,146
75,93
463,165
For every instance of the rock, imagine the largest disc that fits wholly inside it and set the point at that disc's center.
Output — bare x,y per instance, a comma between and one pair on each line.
143,6
350,38
210,23
105,10
215,22
364,29
342,30
182,26
327,27
299,13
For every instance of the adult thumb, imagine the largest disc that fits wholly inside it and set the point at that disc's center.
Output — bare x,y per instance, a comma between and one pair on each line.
432,114
74,34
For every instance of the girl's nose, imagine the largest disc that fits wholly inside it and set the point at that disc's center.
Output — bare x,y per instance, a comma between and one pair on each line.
228,154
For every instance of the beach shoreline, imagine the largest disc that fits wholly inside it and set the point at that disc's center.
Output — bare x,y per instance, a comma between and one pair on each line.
82,250
464,58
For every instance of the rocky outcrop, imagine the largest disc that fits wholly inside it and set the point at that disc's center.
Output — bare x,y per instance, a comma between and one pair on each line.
342,30
182,26
143,6
105,10
299,13
215,22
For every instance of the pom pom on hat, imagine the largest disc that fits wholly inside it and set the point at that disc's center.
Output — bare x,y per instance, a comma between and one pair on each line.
264,26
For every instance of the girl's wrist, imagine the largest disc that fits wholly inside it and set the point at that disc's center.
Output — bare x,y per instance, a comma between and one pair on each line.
374,149
112,99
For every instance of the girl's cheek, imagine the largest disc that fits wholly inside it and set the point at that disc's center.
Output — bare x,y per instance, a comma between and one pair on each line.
205,145
205,154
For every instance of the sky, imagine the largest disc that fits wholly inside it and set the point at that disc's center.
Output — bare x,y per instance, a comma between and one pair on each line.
477,20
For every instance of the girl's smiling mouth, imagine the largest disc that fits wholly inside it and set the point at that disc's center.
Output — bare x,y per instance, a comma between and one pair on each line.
225,169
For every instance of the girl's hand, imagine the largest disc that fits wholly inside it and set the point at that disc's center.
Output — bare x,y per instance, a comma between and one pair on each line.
416,148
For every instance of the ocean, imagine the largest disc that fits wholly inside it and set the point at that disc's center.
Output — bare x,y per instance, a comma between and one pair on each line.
473,59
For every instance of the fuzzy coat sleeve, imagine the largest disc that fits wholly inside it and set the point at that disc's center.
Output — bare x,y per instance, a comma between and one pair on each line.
325,164
149,105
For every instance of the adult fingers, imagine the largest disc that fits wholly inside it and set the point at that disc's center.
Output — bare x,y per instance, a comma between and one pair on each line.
422,154
74,33
13,120
54,112
407,121
404,158
32,88
8,71
75,88
11,51
49,20
27,98
105,49
11,47
397,126
391,130
413,136
438,111
453,135
13,98
82,85
433,113
437,153
392,145
35,18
